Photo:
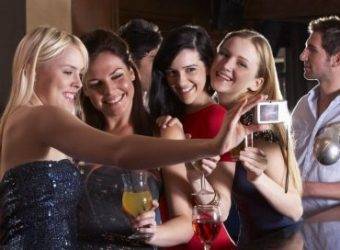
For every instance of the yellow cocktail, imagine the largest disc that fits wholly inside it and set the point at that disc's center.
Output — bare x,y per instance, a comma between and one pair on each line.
135,203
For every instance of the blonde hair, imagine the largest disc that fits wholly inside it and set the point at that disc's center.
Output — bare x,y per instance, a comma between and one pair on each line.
271,88
37,47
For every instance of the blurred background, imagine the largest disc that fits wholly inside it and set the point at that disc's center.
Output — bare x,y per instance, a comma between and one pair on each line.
283,22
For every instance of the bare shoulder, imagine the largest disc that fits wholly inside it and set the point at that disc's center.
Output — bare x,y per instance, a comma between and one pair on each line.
174,132
34,118
24,134
21,118
33,113
38,124
48,112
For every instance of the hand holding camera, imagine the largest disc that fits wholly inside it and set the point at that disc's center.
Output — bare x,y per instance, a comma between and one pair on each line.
265,112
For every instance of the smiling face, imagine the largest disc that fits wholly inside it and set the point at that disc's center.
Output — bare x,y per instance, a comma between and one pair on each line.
234,70
316,62
187,76
59,79
109,85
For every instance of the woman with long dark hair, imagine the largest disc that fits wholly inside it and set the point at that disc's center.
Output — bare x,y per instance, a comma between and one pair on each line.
181,88
112,101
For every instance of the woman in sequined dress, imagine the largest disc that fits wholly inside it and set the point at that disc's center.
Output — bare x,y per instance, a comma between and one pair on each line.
112,101
40,187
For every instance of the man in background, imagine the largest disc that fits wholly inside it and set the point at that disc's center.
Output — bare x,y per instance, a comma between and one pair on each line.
319,108
144,39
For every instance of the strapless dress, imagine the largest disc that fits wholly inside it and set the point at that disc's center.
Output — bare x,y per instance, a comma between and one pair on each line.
39,202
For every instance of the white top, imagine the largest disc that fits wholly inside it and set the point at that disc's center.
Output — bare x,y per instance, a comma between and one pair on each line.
321,235
306,124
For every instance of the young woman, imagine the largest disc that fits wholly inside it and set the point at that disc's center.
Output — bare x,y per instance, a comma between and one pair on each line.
40,186
265,182
181,88
112,101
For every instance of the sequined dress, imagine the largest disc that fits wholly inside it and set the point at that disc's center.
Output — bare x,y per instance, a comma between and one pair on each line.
38,202
102,222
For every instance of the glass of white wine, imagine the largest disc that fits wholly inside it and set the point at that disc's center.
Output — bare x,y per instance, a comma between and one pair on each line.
137,197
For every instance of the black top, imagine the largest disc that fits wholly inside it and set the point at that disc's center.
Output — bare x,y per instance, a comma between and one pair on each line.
102,222
39,202
257,216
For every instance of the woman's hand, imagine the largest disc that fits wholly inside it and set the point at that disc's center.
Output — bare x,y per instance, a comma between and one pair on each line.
145,223
254,161
233,131
167,124
168,121
206,165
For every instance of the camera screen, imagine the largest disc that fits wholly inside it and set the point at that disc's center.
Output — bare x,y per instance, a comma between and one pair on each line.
269,112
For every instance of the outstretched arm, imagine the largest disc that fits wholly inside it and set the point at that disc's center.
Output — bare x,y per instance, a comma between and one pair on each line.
75,138
54,127
325,190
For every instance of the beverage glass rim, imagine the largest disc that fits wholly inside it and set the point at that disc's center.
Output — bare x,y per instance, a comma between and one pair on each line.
135,172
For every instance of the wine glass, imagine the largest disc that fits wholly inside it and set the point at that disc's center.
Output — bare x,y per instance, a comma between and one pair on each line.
248,142
246,119
203,190
137,197
206,221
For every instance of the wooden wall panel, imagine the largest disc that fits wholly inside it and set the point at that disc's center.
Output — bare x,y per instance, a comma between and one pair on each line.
46,12
88,15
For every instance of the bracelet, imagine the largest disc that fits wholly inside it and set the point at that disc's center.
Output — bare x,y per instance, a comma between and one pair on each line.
215,200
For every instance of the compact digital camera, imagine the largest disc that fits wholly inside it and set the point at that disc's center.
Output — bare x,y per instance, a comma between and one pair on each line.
270,112
267,112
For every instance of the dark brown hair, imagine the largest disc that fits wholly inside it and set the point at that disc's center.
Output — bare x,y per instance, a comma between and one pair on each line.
163,101
329,28
99,41
142,37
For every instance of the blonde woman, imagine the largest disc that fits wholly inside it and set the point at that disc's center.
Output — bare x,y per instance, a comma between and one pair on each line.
40,186
265,182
